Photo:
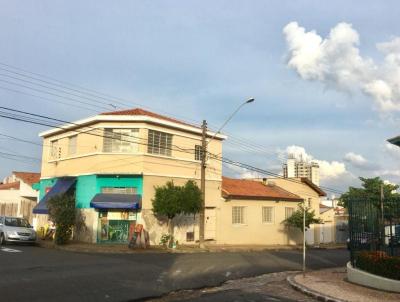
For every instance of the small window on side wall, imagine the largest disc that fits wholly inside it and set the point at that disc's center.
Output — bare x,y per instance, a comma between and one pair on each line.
238,215
288,212
267,214
197,152
72,144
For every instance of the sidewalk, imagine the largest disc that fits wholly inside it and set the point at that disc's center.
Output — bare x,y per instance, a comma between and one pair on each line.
123,248
331,285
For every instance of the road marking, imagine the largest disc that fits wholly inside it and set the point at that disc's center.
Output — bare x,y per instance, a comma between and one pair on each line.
4,249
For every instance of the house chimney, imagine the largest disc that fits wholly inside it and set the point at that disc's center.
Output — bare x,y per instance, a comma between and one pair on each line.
264,180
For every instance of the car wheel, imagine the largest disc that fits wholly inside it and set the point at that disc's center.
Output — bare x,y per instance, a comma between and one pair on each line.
2,239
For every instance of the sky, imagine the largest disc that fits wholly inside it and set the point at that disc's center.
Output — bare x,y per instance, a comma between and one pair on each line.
325,75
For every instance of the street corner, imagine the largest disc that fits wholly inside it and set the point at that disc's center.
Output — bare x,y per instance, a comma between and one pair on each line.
332,285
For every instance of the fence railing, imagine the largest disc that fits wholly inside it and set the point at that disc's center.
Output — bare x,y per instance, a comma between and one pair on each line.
374,226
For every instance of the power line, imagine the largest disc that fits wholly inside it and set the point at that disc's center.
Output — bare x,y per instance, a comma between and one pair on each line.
36,121
246,166
250,146
266,172
45,98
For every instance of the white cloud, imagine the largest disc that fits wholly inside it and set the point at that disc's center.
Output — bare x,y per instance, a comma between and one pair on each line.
331,169
327,169
355,159
336,62
392,150
244,173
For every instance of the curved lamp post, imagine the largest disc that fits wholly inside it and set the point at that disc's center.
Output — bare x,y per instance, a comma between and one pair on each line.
204,145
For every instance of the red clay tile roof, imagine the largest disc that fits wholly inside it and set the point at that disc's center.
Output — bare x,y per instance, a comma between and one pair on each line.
250,189
28,177
10,186
139,111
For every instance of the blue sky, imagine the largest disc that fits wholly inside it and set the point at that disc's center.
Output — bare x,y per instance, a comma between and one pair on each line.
199,60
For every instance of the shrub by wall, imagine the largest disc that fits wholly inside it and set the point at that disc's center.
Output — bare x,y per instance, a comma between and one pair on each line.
379,263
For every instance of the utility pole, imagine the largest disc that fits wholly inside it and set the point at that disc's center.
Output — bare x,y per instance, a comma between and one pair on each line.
203,183
382,218
304,238
204,144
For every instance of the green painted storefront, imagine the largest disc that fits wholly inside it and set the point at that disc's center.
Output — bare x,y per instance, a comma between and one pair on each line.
113,225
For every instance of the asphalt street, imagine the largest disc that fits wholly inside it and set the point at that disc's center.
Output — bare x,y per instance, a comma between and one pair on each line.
31,273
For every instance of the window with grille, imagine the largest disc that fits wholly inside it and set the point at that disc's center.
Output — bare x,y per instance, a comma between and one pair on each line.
267,214
197,152
159,143
288,212
238,215
55,152
72,144
121,140
119,190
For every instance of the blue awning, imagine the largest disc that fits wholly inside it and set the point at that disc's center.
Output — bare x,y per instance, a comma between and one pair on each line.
116,201
62,186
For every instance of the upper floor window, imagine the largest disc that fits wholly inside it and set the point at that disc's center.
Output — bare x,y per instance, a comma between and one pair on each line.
55,151
197,152
159,143
72,144
120,140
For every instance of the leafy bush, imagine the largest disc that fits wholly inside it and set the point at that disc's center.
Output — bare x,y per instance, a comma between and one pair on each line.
171,200
296,220
379,263
166,240
62,213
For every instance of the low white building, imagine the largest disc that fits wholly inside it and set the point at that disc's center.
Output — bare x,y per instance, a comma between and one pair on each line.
17,197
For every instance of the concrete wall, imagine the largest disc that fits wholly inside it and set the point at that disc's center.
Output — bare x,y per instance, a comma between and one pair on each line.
366,279
86,227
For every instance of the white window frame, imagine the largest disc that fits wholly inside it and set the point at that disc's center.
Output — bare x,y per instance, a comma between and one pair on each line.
197,152
238,215
289,211
121,140
54,150
72,144
159,143
271,214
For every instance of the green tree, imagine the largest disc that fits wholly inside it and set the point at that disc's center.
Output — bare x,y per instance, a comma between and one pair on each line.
296,220
170,200
62,212
370,189
191,198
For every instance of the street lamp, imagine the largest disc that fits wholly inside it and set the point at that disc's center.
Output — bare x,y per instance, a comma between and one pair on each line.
204,145
251,100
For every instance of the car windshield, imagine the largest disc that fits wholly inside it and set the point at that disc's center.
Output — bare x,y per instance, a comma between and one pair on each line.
16,222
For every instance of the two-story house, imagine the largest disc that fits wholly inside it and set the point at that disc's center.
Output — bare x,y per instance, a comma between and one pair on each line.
112,162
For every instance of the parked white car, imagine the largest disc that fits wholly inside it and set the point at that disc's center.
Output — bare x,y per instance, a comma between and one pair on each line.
15,229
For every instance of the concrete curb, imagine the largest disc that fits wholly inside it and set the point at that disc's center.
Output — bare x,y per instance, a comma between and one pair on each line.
319,296
209,249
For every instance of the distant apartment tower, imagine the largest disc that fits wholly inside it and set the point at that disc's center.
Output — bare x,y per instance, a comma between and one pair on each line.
301,168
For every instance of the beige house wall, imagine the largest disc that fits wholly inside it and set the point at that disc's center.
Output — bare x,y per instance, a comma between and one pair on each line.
182,224
310,196
254,231
90,158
